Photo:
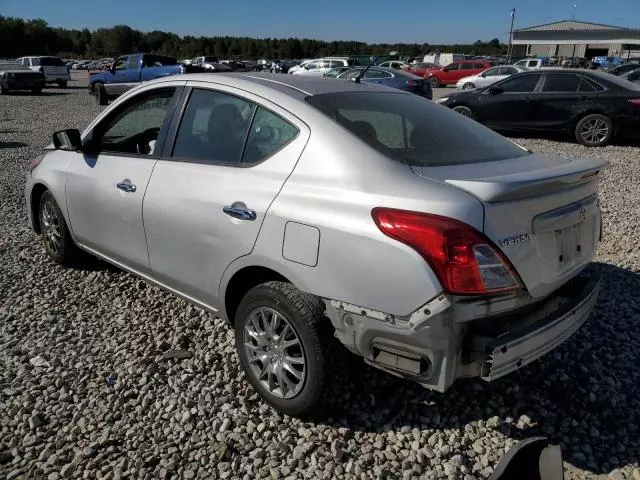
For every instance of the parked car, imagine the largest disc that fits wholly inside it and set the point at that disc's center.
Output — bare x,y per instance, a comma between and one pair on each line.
451,73
317,68
54,69
300,66
334,72
480,246
130,70
390,77
15,76
236,65
606,63
204,59
216,67
81,65
421,68
622,69
590,105
396,64
576,62
532,63
487,77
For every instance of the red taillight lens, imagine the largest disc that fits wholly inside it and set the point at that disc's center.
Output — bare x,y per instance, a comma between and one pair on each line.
463,259
635,101
412,83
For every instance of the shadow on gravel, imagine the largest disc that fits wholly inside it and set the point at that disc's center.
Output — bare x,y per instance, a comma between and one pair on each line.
583,396
44,93
622,141
12,144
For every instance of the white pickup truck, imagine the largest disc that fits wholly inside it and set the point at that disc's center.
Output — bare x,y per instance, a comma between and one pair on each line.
533,64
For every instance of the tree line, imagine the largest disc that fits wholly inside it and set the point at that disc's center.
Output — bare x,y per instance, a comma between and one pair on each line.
36,37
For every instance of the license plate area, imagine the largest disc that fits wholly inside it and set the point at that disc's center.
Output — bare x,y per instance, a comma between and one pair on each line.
569,245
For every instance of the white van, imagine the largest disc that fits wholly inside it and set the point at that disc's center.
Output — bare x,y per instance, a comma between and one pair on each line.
443,58
54,69
319,67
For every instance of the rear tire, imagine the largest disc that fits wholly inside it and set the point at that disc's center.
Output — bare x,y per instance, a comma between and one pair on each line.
291,378
100,94
36,91
435,83
594,130
4,91
465,111
468,86
55,234
62,83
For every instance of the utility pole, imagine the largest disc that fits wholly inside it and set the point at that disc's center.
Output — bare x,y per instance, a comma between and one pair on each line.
575,7
510,47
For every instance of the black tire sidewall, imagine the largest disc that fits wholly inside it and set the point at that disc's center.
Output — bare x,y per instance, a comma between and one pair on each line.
468,86
61,256
468,114
315,356
435,83
584,119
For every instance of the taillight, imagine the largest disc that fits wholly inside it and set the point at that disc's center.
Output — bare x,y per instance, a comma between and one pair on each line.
635,101
463,259
412,83
35,162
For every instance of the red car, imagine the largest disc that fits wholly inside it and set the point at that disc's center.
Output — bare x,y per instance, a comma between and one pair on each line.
420,68
453,72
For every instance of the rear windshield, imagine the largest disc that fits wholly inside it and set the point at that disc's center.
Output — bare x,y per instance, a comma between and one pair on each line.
51,62
413,130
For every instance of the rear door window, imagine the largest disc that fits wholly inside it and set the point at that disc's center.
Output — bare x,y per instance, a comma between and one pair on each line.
561,83
51,62
268,134
35,62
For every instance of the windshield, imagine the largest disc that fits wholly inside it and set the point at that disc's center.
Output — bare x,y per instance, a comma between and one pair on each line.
51,62
413,130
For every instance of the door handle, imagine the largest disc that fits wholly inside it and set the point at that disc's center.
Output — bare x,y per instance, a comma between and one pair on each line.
126,186
241,213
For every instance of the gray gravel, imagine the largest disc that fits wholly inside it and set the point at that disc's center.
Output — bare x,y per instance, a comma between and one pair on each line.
129,382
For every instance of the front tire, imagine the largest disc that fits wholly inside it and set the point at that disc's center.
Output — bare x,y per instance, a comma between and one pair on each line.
465,111
62,83
55,234
468,86
594,130
100,94
435,83
36,91
283,339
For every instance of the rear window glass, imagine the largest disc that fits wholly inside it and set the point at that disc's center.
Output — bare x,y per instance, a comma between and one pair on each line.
158,61
51,62
413,130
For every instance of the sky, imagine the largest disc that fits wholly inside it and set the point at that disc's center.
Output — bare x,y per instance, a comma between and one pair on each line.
373,21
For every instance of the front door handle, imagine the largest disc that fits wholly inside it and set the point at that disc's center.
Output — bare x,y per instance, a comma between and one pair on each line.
241,213
126,186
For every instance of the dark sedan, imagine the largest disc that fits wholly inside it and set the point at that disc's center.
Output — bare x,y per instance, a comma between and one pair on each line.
14,76
591,106
391,77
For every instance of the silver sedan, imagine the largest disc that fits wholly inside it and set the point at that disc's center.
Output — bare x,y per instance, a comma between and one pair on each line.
300,210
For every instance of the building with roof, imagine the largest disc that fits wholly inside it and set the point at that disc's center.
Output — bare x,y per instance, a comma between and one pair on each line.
572,38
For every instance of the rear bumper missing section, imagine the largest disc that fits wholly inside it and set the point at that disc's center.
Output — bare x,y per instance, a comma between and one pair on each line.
511,351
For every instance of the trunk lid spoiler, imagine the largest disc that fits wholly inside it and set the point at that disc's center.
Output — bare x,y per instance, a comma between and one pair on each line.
517,178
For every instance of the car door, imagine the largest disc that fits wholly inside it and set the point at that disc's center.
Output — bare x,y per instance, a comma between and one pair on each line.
487,77
210,192
117,83
106,182
450,73
508,106
561,97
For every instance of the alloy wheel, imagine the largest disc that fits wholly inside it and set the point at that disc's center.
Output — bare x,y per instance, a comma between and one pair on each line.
274,352
594,131
51,228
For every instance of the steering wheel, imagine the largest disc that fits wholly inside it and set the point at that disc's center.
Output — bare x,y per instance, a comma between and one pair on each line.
144,139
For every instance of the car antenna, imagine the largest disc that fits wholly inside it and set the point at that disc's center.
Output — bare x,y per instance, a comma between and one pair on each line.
357,79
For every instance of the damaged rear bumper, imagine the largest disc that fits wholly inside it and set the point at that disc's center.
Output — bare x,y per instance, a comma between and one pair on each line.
515,349
447,339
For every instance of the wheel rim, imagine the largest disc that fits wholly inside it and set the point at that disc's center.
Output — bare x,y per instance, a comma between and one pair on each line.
467,86
463,112
594,131
51,228
274,352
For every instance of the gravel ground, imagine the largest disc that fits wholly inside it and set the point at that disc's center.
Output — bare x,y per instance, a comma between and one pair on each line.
102,376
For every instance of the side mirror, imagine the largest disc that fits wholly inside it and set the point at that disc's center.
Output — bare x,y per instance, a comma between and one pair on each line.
494,90
445,69
68,140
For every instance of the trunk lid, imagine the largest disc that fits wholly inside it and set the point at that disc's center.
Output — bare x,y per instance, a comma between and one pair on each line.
540,211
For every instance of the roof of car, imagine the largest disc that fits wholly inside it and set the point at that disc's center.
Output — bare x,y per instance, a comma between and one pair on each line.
298,86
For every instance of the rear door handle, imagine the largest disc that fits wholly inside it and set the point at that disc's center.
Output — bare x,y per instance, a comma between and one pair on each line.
241,213
126,186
